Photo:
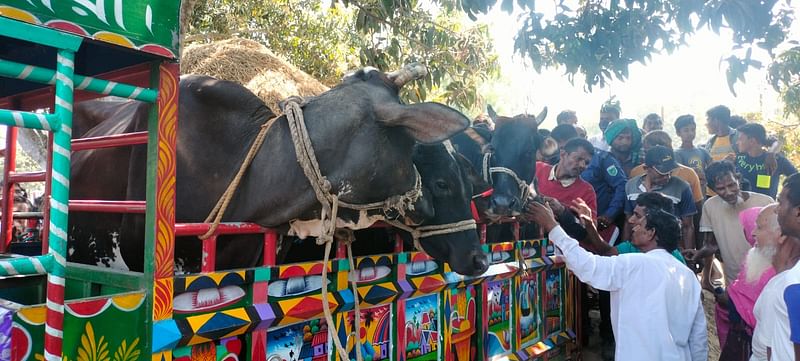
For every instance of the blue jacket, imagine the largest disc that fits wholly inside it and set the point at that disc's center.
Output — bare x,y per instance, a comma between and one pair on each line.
606,176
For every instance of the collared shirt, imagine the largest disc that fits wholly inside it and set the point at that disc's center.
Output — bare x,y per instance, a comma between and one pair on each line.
628,247
552,187
655,301
566,182
606,176
675,189
773,327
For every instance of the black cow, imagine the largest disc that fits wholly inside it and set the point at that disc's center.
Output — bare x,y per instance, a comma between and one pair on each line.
363,138
448,183
513,145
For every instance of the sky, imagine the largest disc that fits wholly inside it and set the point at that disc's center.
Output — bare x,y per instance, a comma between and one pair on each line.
690,80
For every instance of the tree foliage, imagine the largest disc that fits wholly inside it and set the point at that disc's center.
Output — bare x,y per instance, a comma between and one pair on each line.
601,39
326,41
784,75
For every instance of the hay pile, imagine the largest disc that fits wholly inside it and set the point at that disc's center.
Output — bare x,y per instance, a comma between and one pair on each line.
251,64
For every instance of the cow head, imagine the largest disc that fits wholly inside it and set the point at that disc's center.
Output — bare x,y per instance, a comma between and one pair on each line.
370,133
514,146
447,184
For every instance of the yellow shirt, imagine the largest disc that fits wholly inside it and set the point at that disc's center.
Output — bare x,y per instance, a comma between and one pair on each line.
721,148
684,173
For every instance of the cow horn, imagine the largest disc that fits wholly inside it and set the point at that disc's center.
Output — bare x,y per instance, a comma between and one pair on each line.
409,72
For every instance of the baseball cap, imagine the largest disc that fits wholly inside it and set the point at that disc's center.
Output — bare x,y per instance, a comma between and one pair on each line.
661,158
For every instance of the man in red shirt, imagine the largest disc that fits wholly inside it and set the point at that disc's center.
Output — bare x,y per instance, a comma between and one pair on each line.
562,181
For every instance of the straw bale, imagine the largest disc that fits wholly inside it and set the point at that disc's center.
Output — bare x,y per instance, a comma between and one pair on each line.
251,64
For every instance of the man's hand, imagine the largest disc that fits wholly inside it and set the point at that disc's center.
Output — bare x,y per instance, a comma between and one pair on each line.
770,163
554,204
542,215
580,207
604,222
731,157
693,255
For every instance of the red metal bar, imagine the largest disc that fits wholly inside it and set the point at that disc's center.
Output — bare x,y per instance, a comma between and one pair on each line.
516,231
341,250
209,260
109,141
82,205
46,198
196,229
25,177
398,243
482,233
10,165
270,247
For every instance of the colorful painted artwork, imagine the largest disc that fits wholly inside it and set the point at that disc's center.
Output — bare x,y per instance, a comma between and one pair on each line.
6,317
374,333
146,25
460,309
528,309
498,339
91,327
306,341
553,305
371,269
227,349
421,331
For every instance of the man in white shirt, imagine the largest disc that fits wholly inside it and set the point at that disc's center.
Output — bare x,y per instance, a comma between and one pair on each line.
656,312
777,310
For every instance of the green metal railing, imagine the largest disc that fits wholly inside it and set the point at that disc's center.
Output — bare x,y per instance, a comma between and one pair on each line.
60,123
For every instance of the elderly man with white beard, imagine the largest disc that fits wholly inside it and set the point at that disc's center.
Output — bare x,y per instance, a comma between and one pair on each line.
762,231
722,231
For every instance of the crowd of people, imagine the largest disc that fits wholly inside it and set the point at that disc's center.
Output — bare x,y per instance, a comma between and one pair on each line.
657,212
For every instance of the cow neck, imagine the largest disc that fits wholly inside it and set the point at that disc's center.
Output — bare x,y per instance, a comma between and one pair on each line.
330,206
322,186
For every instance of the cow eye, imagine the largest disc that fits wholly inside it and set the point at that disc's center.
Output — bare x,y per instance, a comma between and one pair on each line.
440,184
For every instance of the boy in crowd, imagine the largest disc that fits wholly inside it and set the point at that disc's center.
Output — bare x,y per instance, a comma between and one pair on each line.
722,143
689,155
567,117
652,122
751,160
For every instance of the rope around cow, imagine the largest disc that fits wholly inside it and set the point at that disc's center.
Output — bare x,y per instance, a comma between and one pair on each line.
330,206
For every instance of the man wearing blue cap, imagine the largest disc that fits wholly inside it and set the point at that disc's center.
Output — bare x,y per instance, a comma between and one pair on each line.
659,163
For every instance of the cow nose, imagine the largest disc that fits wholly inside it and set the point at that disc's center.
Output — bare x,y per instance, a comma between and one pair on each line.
480,262
504,205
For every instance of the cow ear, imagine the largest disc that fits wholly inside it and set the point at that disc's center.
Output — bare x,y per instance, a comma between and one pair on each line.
427,123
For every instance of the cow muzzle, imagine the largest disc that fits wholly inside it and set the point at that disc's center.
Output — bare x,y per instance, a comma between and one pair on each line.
409,72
